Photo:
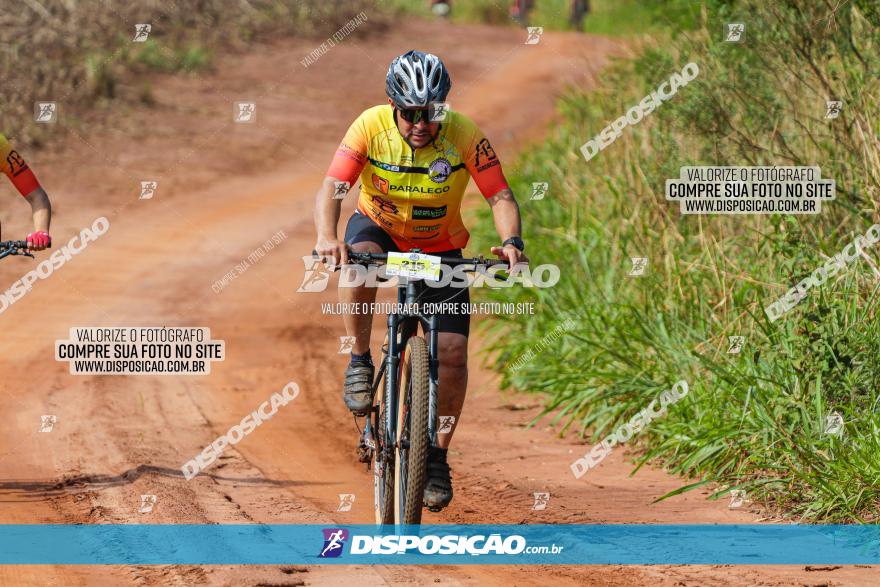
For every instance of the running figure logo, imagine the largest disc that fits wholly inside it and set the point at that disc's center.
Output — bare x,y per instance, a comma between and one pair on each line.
736,344
534,37
47,422
334,541
148,189
316,275
834,424
141,32
345,344
346,500
446,424
340,189
541,501
45,112
438,111
245,112
737,498
833,108
639,264
147,503
539,190
735,31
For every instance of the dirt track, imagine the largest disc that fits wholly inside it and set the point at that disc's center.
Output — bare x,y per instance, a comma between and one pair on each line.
223,190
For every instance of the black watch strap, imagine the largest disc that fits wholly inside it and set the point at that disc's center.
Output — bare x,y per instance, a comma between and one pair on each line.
515,241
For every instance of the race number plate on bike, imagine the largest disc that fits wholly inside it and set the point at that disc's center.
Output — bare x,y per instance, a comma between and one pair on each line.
413,265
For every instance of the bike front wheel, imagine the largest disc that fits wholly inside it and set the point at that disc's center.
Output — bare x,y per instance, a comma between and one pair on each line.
410,464
383,468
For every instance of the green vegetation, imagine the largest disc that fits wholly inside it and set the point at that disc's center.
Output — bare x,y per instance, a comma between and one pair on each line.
754,420
607,17
80,53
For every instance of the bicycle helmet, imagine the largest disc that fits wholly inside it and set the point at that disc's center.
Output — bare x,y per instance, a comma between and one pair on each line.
415,79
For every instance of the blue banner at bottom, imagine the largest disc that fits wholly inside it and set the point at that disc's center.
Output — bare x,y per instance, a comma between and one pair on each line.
224,544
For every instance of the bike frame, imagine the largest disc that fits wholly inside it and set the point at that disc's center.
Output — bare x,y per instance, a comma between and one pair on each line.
404,326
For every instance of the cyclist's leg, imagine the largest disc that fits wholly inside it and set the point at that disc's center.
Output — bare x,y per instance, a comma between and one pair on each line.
362,235
358,325
453,379
452,340
454,328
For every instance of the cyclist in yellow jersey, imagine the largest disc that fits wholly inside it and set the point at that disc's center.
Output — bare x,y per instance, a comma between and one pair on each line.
413,174
22,177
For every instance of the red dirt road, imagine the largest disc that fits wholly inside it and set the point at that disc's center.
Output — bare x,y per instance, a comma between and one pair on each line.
223,190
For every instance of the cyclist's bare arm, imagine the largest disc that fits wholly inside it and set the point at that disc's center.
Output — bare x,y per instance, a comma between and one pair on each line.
505,212
13,165
347,164
327,210
41,209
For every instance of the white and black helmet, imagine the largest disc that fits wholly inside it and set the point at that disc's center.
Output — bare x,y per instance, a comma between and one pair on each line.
415,79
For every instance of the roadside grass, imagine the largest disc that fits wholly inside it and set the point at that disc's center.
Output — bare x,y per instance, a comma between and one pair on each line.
755,420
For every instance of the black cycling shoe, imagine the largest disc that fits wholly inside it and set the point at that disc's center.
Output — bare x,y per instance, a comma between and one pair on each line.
358,387
438,489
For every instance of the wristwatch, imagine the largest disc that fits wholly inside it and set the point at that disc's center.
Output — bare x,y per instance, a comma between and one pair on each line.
515,241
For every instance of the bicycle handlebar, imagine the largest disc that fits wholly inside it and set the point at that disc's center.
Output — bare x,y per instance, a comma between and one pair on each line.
367,258
451,261
8,248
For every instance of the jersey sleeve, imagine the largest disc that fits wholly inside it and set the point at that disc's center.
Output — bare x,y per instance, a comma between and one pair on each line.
480,159
14,167
351,156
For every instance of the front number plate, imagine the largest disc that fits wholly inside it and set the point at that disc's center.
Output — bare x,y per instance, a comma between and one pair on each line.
414,265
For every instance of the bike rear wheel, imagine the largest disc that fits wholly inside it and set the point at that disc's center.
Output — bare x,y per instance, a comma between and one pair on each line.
410,464
383,471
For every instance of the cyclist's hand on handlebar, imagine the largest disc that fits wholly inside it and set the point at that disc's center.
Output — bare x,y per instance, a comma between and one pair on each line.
511,254
39,240
332,252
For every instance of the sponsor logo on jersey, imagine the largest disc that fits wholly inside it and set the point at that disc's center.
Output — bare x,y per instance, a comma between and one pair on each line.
439,170
386,166
418,189
380,183
384,205
378,217
485,156
428,228
16,163
428,212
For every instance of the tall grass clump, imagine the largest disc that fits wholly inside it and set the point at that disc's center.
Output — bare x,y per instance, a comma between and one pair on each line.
754,420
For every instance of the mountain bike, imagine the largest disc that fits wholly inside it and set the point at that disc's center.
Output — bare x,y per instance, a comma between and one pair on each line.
8,248
401,426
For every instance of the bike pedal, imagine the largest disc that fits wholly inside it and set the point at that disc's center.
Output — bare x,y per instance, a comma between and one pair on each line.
434,509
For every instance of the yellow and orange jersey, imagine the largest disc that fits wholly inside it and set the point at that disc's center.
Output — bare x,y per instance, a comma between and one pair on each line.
415,194
13,165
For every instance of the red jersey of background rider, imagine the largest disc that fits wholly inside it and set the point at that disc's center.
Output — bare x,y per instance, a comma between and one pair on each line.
16,169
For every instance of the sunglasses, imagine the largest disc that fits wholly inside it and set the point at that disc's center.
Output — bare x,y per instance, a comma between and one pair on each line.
413,116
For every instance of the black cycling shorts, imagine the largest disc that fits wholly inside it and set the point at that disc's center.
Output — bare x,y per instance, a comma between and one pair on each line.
361,228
